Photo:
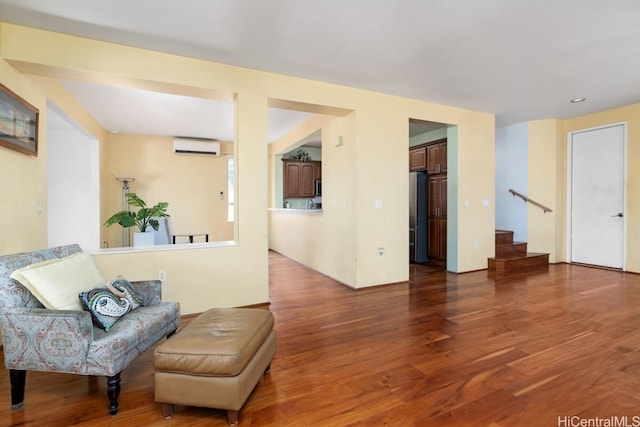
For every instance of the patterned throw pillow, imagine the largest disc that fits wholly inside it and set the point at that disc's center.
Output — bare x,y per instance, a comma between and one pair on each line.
110,304
122,288
105,307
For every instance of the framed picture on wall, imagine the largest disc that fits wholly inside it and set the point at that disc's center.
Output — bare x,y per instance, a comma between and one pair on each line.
18,123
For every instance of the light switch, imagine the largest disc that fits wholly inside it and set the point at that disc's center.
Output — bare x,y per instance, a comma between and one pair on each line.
485,202
378,204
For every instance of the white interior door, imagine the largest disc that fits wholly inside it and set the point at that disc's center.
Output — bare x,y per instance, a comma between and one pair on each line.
597,196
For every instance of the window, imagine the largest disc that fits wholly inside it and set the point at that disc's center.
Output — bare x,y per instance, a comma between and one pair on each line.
230,189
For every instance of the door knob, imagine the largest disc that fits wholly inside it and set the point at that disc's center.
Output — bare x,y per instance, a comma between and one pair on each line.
619,215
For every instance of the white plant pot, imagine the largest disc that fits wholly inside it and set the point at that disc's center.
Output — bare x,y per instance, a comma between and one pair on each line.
143,239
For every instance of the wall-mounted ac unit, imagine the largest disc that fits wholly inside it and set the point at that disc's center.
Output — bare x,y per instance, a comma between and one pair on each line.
196,146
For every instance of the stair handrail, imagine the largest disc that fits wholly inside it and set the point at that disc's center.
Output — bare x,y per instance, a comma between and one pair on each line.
533,202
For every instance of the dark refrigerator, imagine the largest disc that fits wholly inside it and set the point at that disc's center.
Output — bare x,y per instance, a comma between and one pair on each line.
418,217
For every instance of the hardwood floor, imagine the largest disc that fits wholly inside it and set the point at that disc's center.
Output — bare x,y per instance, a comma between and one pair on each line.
443,349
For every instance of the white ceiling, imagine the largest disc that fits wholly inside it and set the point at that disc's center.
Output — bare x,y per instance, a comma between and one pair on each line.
126,110
521,60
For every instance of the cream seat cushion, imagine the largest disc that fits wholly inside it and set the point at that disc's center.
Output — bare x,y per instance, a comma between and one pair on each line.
57,283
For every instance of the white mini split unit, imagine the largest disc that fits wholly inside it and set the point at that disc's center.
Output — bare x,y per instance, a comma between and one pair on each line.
202,147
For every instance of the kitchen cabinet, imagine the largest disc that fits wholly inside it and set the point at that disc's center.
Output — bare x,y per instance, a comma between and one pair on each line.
417,159
437,217
430,157
299,178
436,157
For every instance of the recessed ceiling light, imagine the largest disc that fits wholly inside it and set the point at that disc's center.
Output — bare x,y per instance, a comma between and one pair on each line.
576,100
113,131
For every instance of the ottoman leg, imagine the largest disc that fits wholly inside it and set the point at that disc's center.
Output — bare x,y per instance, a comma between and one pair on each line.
167,410
232,417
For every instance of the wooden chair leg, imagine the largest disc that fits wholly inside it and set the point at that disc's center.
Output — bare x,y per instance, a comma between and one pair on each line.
232,417
17,378
113,391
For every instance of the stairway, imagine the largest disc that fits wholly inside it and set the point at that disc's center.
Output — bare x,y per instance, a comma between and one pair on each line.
513,256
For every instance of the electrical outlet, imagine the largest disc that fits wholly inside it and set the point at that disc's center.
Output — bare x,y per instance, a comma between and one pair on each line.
162,275
380,251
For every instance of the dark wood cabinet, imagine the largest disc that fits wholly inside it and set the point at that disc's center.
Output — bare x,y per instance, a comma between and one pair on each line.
299,178
430,157
291,179
437,217
437,157
307,179
418,159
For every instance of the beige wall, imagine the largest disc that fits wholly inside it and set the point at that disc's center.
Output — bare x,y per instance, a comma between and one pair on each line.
24,190
546,169
474,181
190,184
371,165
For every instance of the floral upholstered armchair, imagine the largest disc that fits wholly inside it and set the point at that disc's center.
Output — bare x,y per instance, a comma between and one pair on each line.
72,339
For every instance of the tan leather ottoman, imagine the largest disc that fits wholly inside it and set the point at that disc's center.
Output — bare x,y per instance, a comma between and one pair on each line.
215,361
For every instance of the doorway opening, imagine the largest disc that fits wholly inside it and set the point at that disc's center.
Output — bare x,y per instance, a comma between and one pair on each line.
428,192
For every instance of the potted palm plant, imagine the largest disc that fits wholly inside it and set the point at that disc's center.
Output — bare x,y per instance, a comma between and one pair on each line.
142,219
